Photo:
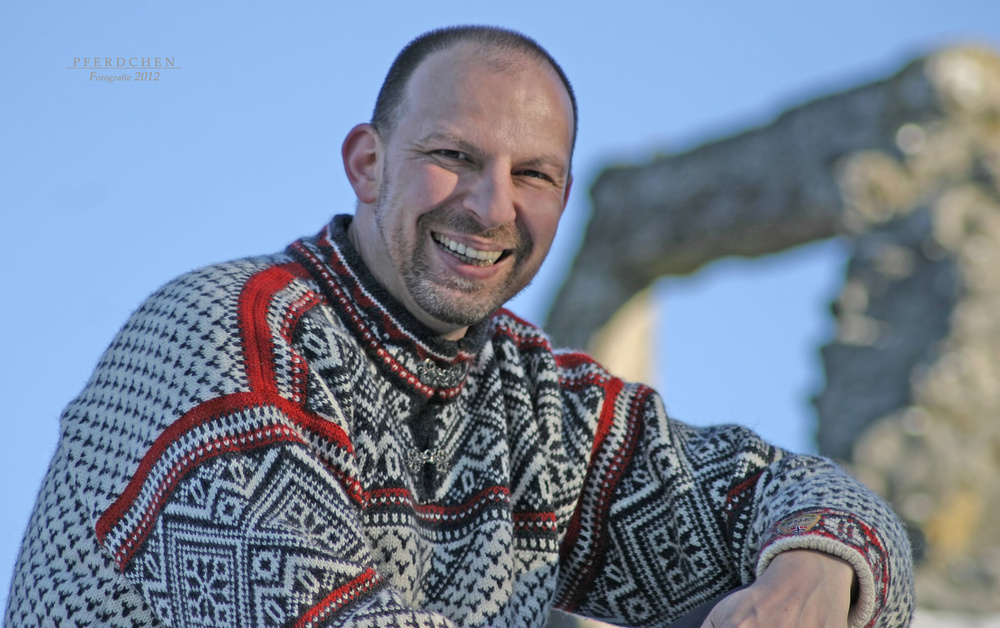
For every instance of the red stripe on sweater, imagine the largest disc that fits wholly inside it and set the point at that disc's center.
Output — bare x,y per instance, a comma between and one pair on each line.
187,460
613,388
568,361
525,335
258,344
431,512
259,348
191,419
339,598
612,472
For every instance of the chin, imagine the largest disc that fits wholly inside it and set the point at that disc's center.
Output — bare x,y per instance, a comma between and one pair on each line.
457,307
455,301
453,313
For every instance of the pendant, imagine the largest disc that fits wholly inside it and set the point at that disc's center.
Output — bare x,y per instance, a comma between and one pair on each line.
416,459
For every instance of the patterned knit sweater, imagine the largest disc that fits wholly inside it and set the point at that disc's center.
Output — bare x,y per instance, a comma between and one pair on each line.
275,442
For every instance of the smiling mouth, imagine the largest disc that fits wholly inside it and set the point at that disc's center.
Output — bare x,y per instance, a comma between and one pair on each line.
467,254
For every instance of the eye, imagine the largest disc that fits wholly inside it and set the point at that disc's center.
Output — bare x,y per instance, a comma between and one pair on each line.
457,155
535,174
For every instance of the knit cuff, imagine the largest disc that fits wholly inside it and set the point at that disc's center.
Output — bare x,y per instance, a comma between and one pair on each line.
842,535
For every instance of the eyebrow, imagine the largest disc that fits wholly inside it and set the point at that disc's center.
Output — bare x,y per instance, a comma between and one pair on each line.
552,162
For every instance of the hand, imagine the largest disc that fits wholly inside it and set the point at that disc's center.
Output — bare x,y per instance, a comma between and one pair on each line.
799,589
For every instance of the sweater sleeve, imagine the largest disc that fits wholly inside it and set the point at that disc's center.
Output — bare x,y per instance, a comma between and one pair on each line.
213,488
672,516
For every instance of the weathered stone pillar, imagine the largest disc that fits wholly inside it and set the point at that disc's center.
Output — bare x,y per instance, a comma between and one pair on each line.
913,378
909,169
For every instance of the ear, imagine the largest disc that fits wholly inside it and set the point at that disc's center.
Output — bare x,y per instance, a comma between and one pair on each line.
361,151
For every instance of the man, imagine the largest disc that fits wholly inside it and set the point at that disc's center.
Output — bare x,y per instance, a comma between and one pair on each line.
352,432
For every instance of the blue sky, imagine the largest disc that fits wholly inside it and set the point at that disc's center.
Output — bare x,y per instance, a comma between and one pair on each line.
108,190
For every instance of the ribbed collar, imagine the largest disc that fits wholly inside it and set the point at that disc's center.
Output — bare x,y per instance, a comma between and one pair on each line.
404,348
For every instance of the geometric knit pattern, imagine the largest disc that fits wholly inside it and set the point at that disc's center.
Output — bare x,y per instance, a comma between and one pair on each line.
276,442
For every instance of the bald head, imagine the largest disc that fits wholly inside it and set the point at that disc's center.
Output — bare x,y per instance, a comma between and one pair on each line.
496,49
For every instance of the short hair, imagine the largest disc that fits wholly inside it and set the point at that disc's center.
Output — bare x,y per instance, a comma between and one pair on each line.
392,95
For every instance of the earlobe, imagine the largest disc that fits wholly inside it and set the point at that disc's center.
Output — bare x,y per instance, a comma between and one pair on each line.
360,152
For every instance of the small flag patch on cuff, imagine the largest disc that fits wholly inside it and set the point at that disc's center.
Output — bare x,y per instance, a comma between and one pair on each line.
799,524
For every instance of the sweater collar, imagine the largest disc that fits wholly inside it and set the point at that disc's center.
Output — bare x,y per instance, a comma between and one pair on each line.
404,348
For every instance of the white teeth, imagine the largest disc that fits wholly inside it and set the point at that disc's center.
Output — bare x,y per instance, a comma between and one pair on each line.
486,257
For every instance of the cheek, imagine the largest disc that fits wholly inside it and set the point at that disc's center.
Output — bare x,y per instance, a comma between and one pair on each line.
430,185
542,224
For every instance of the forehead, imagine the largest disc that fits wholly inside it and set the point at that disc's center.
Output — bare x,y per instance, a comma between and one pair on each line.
487,91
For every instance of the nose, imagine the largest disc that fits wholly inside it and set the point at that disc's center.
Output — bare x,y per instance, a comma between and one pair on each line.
491,196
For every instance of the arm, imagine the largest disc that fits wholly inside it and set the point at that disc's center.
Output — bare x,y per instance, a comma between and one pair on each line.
692,513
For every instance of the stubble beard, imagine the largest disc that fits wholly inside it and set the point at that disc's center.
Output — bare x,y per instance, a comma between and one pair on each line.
445,296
